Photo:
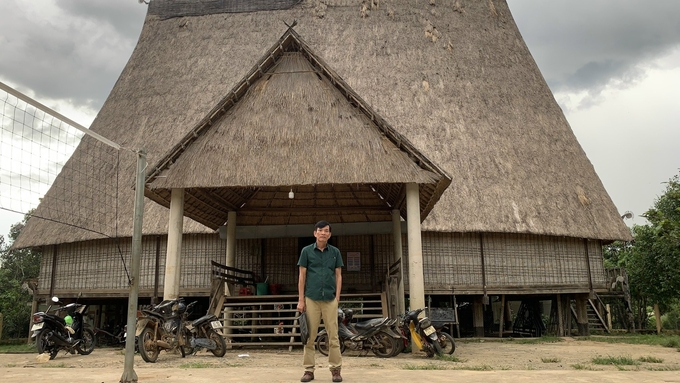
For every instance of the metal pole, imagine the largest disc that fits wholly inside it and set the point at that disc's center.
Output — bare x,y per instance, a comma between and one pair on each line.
129,374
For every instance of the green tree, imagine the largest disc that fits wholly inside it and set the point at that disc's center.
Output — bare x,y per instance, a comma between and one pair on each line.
16,266
652,260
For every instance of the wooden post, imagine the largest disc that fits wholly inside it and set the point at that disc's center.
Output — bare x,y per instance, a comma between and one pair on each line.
560,316
657,316
478,316
501,317
173,257
396,237
508,315
415,248
582,314
609,316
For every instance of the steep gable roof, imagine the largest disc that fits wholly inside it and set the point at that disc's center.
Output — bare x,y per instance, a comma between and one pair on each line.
293,123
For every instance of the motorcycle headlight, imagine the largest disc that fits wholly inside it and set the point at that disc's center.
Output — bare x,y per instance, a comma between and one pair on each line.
425,323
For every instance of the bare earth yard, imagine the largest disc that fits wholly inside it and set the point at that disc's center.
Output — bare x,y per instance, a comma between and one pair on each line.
476,361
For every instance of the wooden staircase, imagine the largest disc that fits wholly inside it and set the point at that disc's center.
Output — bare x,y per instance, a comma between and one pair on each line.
271,320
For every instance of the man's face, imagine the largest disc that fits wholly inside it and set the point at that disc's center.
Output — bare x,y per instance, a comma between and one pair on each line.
322,234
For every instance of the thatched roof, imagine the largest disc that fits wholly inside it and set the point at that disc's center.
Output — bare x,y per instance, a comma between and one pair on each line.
454,78
293,124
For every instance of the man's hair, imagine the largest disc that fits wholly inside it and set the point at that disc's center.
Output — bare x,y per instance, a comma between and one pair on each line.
321,225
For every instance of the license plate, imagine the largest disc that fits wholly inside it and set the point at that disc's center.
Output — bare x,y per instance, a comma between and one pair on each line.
216,324
429,330
37,326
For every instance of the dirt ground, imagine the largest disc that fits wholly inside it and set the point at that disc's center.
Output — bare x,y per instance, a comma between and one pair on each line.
570,360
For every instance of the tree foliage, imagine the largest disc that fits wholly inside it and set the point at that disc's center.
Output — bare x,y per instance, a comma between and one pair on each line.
652,259
16,267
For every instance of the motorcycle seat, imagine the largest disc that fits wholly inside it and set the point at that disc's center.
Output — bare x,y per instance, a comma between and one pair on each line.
203,319
371,323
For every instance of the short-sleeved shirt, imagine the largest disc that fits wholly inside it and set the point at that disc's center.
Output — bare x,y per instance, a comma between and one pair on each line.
321,265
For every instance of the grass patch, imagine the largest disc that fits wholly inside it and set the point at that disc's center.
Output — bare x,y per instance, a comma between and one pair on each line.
664,340
650,359
615,360
17,348
451,358
543,339
429,366
550,360
376,365
663,368
196,365
581,366
482,367
58,365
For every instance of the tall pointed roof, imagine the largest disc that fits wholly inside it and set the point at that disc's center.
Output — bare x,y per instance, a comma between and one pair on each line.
293,123
455,78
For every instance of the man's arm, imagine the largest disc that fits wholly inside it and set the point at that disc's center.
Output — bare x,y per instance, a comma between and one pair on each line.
338,282
301,289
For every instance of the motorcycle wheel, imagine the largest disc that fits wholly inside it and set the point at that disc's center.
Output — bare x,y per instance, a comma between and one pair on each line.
147,350
437,348
448,345
323,344
42,343
86,345
219,340
386,345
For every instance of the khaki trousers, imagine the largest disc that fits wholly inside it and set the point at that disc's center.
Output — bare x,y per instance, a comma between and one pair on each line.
316,310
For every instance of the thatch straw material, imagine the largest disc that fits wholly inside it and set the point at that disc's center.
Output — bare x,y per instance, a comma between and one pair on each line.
454,78
296,124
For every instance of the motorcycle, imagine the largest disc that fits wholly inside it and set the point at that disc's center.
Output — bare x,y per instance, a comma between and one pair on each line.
53,333
424,336
372,335
162,328
203,333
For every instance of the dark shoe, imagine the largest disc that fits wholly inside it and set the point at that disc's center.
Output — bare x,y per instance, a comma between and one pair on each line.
307,377
336,375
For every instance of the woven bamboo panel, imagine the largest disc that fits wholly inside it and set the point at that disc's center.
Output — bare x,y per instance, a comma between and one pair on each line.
529,260
451,259
197,252
281,257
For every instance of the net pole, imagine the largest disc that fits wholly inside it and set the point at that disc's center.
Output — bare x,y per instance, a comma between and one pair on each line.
129,374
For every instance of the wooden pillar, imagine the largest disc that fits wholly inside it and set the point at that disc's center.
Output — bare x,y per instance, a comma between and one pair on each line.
657,316
501,317
478,316
415,248
173,258
231,239
230,261
582,314
396,236
560,315
508,315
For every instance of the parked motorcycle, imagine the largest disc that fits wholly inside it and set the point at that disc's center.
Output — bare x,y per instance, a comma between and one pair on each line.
372,335
105,338
162,328
203,333
53,333
422,334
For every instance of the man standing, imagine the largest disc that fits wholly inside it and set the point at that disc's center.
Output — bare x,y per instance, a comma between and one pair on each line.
318,295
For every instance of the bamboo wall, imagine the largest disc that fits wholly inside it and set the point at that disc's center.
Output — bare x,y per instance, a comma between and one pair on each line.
453,263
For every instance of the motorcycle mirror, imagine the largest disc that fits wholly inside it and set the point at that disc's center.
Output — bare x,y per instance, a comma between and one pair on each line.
55,299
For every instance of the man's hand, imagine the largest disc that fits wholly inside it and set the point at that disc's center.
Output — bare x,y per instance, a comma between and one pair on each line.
301,307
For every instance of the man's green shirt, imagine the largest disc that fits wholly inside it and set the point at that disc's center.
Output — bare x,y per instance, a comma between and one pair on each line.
321,265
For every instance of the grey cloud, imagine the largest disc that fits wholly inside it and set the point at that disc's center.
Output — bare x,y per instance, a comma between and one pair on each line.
583,45
76,55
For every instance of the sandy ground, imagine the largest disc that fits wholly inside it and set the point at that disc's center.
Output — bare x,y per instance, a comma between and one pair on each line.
476,361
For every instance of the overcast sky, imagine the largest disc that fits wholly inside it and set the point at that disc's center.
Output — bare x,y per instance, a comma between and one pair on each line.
613,66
